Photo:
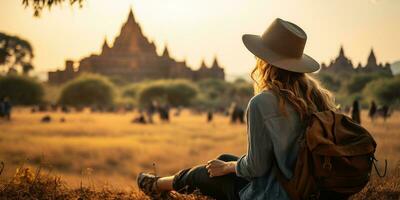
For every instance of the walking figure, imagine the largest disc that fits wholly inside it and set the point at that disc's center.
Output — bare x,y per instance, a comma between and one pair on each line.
2,113
210,116
7,108
355,112
152,108
372,111
164,113
237,114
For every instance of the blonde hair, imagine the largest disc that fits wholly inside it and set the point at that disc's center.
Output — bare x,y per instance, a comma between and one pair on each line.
302,91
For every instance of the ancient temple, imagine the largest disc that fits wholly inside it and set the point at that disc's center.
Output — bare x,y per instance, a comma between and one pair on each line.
133,58
342,64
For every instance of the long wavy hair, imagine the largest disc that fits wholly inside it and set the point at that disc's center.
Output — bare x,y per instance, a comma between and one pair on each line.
302,91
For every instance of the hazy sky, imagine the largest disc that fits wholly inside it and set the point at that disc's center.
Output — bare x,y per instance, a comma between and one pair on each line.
197,29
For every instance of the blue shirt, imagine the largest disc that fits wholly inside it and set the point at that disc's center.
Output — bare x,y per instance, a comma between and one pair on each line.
270,134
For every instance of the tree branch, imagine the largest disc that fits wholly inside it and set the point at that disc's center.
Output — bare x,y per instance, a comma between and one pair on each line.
39,5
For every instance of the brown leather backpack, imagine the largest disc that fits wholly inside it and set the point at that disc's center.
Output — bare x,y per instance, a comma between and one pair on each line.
335,159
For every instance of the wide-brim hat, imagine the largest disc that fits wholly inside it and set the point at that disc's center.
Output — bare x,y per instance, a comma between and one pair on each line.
282,46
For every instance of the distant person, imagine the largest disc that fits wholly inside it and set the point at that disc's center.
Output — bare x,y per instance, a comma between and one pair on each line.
42,107
210,116
65,109
54,107
151,109
128,108
46,119
372,110
383,112
7,106
178,111
2,112
237,114
355,112
231,112
240,113
164,113
273,130
139,119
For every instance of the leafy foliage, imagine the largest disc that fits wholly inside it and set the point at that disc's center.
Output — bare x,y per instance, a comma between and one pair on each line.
329,81
15,52
385,91
220,94
132,90
88,90
21,90
173,92
39,5
358,82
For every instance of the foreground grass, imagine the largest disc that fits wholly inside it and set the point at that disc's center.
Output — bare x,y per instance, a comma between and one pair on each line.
97,156
27,184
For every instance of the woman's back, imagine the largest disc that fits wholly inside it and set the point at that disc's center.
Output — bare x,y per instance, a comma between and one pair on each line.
273,139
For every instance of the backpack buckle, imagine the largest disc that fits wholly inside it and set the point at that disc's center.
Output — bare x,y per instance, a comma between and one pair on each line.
327,163
313,197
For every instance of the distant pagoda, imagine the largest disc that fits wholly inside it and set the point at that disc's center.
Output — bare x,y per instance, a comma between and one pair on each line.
133,57
342,64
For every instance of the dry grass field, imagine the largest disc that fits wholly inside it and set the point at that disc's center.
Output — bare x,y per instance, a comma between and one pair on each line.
107,149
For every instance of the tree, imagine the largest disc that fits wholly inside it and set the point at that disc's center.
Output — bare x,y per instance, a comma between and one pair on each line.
132,90
358,82
39,5
329,81
21,90
385,91
15,52
173,92
214,88
88,90
242,92
181,92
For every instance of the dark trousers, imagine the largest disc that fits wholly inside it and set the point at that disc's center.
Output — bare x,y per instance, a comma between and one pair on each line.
197,178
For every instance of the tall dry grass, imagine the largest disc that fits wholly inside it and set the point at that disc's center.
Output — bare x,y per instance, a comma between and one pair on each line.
99,150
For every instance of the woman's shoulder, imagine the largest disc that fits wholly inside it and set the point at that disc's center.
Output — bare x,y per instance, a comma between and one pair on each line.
266,102
264,97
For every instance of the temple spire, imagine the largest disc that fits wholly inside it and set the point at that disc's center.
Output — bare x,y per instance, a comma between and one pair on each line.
215,63
105,47
341,52
371,57
131,17
165,53
203,65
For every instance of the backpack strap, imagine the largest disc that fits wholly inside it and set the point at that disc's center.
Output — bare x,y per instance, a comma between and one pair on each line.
374,160
285,183
291,191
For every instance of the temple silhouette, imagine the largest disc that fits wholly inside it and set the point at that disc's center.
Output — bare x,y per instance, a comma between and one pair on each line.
133,58
342,64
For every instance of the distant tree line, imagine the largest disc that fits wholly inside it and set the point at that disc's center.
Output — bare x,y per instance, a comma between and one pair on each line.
97,90
364,87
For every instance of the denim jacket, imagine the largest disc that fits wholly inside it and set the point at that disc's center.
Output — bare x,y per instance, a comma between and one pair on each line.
271,135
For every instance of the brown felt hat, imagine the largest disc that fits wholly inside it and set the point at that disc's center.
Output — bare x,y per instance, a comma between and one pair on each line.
282,46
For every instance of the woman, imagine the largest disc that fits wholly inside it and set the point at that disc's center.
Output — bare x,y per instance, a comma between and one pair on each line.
276,115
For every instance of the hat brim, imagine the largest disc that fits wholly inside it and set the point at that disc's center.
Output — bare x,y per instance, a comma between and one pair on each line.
305,64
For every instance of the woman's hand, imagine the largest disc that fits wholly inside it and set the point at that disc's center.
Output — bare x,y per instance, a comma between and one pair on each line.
220,168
